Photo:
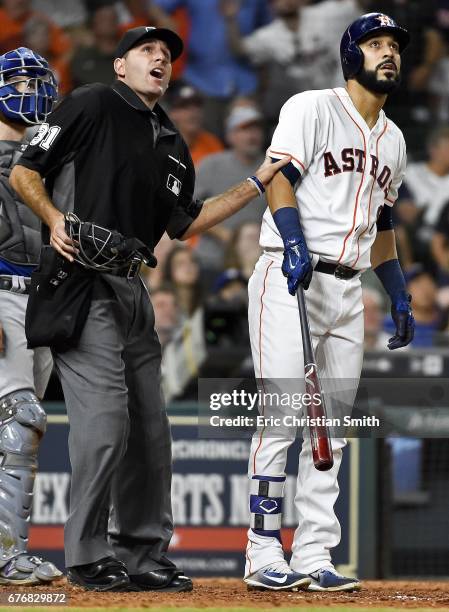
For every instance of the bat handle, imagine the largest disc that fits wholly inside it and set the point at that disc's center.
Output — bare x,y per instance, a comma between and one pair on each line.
319,434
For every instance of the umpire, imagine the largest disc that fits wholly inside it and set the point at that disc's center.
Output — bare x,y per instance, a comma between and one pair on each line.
111,156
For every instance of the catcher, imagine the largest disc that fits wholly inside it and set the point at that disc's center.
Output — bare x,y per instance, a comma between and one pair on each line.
111,156
27,93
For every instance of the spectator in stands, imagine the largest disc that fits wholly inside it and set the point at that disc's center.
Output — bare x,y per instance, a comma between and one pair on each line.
94,63
375,337
153,277
166,313
182,271
186,351
13,16
429,317
226,312
308,56
411,246
186,110
71,15
36,36
439,81
244,249
440,245
231,289
409,106
135,13
245,135
427,187
211,66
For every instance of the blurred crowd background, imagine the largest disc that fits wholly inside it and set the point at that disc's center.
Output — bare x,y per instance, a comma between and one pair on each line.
243,59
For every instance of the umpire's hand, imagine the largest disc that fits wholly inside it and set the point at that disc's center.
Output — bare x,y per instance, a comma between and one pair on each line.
268,169
59,239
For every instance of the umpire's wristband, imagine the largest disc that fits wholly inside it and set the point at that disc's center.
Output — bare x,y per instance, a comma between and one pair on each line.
257,184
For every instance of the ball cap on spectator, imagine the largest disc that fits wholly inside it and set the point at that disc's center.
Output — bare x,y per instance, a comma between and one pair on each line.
182,94
229,276
415,271
242,115
136,36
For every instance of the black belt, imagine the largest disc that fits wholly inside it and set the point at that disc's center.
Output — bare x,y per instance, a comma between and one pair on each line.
339,271
6,284
130,271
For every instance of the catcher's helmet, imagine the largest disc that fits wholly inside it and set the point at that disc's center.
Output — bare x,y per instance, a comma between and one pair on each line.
370,24
32,105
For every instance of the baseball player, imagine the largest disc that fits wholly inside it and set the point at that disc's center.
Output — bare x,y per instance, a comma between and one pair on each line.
27,93
329,219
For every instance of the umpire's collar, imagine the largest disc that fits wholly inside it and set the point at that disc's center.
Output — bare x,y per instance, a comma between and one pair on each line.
131,98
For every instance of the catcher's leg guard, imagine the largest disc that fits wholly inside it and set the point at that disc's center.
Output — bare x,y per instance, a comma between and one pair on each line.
22,424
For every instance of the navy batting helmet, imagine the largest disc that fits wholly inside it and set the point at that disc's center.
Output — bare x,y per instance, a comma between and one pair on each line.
32,102
370,24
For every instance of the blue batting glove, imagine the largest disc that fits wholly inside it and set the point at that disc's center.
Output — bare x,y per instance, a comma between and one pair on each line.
297,266
402,316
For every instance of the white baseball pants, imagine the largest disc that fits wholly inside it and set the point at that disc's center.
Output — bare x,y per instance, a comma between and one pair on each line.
336,320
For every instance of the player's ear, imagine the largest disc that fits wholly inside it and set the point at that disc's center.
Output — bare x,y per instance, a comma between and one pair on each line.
119,66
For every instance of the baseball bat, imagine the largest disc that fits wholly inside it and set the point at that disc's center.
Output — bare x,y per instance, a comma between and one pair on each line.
319,434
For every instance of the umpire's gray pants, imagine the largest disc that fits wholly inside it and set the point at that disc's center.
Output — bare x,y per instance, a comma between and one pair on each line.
119,441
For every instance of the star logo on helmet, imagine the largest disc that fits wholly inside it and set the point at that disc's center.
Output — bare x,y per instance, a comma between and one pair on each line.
385,20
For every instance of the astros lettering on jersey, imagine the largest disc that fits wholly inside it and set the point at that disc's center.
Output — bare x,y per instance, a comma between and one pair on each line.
348,172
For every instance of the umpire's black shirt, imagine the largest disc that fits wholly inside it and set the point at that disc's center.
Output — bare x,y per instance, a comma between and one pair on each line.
98,156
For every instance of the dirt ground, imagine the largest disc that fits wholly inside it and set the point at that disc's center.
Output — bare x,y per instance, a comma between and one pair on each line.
214,592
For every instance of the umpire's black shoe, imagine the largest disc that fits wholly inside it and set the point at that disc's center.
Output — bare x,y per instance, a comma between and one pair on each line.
107,574
162,580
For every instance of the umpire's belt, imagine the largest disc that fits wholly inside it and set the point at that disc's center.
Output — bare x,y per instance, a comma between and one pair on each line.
130,271
15,284
337,270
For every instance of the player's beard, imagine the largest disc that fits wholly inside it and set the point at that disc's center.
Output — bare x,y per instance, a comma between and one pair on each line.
369,80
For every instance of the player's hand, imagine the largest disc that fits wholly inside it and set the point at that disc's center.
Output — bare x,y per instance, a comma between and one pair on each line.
402,316
59,239
268,169
297,265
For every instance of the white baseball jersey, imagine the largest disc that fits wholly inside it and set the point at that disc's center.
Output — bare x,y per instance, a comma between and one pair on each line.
348,172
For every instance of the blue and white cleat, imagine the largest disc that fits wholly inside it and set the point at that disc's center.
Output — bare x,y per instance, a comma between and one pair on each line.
328,579
277,577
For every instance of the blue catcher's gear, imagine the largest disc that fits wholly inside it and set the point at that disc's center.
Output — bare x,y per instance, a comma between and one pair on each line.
365,26
32,102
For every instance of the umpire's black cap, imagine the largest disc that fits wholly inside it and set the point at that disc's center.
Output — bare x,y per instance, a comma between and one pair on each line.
136,36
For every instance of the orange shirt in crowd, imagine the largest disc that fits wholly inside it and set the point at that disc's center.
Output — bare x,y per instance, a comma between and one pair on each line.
205,144
11,33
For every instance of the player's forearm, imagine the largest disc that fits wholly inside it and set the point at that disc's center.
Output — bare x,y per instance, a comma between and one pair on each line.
217,209
384,260
384,248
31,189
280,193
